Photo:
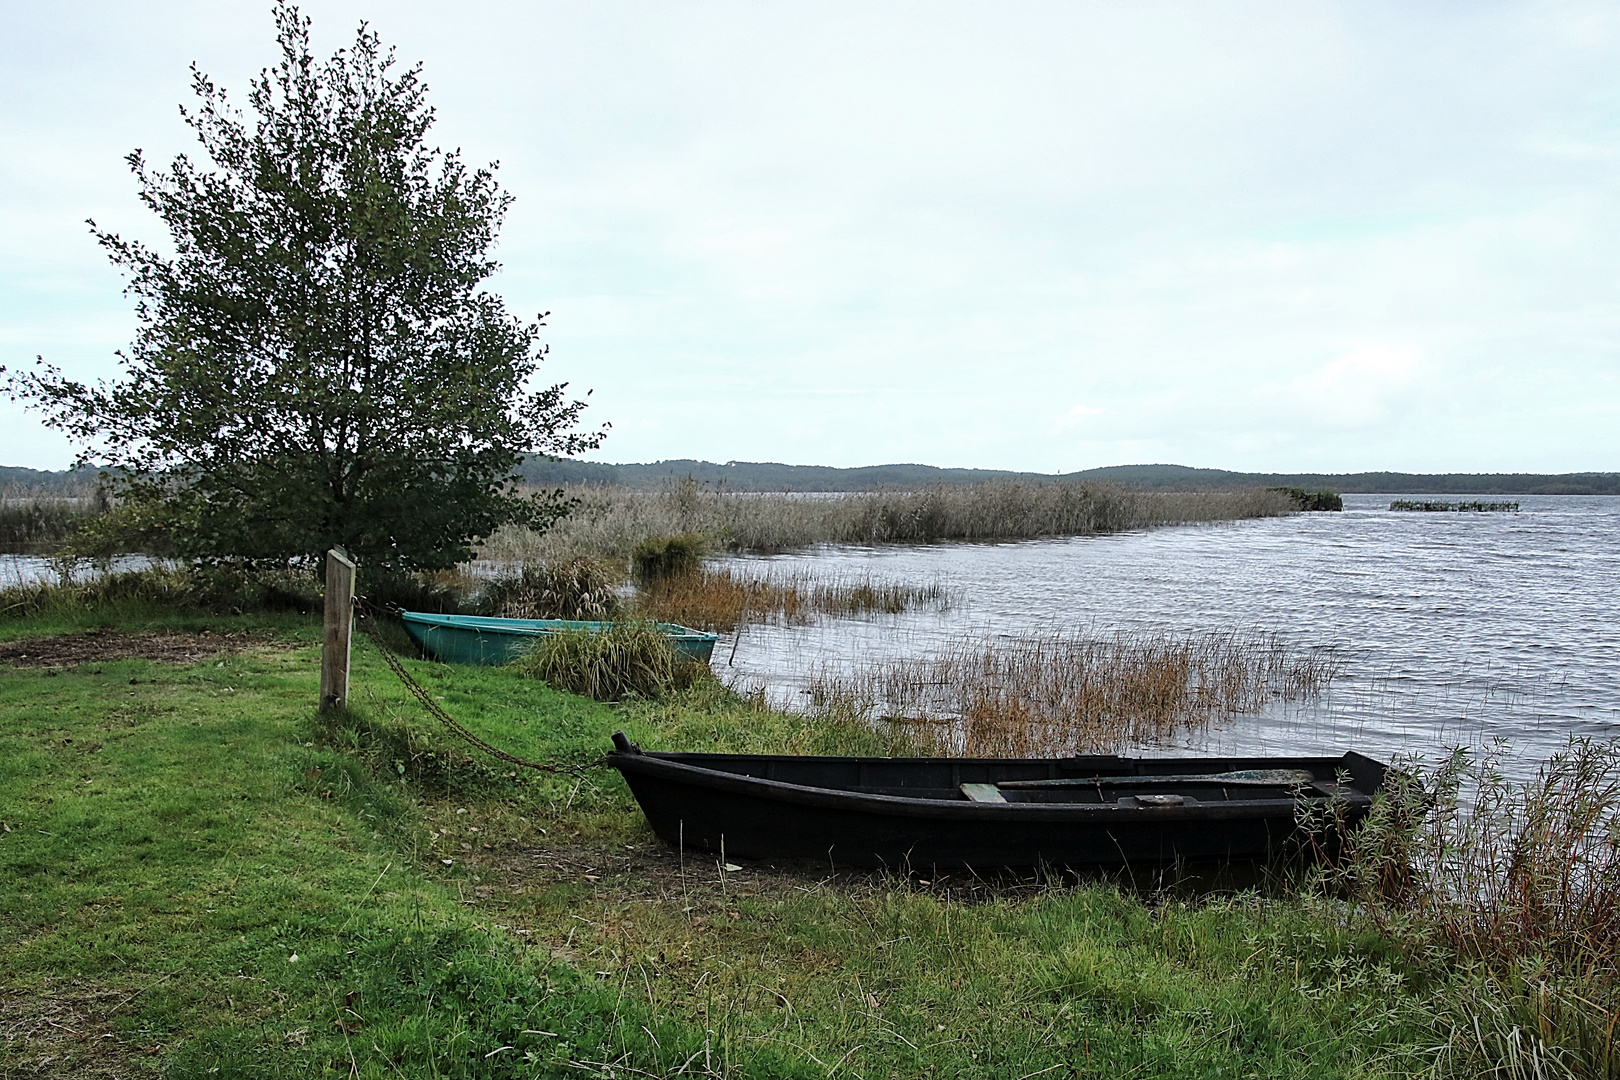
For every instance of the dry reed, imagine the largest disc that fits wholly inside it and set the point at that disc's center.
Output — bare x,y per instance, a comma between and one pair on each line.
1047,694
612,522
571,589
720,599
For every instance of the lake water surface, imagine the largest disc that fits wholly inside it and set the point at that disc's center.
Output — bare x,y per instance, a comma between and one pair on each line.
1454,628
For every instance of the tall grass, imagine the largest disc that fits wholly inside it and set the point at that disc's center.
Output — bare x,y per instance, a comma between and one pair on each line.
721,599
614,521
1045,694
1521,881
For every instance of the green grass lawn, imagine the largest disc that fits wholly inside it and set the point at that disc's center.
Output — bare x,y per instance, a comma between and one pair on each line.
202,877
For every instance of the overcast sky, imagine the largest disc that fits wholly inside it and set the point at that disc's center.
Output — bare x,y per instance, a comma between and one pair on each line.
1260,236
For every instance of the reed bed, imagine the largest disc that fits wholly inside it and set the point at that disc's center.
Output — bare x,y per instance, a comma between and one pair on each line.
714,597
720,599
1455,507
571,589
613,522
40,525
1047,694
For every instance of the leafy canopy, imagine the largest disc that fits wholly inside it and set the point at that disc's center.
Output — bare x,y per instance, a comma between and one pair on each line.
317,362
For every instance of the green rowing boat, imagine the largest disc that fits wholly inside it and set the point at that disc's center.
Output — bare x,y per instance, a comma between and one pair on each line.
477,639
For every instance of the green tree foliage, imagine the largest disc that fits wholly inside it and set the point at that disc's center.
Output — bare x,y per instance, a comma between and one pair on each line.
317,362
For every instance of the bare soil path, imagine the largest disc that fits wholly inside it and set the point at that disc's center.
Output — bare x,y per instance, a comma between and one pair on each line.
101,646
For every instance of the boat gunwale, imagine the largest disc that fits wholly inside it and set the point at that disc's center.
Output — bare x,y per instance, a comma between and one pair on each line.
661,766
492,624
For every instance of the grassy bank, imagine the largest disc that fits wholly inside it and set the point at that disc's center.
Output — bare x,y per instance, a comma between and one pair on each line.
612,522
197,885
200,876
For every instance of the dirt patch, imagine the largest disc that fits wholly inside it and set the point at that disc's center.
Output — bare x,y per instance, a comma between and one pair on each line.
650,872
65,1030
669,917
643,872
100,646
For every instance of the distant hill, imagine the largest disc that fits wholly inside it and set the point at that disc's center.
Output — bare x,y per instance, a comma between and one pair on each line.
772,476
43,482
1182,478
761,475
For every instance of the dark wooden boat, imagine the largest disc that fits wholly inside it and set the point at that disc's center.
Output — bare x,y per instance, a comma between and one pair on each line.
992,812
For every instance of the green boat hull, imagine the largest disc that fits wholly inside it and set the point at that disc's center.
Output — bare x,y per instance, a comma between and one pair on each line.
488,642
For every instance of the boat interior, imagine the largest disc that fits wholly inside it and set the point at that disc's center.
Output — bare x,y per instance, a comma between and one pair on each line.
1088,779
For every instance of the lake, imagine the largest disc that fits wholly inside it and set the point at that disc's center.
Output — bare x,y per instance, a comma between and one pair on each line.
1454,628
18,570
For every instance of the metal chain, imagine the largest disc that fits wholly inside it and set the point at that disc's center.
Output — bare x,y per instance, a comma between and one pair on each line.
363,609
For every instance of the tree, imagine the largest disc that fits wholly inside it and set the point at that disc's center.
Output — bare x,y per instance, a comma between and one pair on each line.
317,362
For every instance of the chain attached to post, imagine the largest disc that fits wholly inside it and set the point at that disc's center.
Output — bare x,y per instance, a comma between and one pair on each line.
365,609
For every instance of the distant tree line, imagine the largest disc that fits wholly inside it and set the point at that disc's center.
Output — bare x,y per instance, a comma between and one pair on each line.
772,476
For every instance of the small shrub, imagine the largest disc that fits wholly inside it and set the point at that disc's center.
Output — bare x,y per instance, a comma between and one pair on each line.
1311,500
1504,871
1454,507
668,556
1519,883
629,659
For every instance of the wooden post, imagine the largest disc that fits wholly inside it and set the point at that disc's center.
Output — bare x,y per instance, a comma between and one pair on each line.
339,627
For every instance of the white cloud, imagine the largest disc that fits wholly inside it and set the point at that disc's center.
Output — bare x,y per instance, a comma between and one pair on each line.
1355,390
1568,148
1047,236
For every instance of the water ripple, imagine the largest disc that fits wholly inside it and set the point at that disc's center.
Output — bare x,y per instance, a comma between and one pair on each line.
1457,628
